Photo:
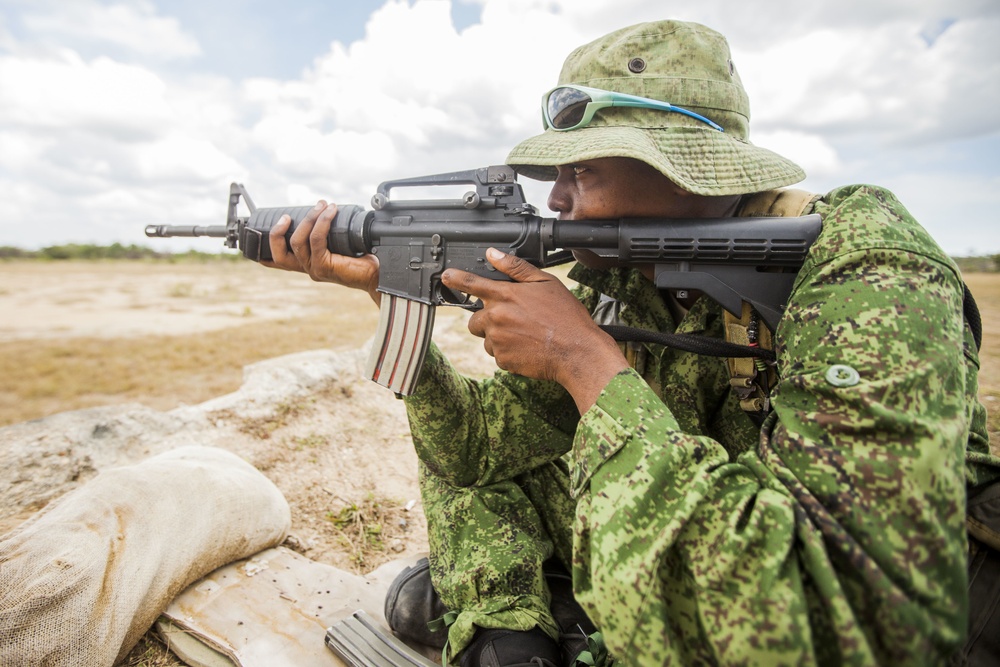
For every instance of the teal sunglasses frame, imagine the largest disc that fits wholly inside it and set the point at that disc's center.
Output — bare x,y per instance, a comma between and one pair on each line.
602,99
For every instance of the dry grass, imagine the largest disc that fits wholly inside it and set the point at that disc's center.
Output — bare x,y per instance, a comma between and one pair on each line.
48,376
368,528
150,652
52,370
985,288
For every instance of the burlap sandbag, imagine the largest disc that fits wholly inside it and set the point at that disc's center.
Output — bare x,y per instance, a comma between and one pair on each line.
83,580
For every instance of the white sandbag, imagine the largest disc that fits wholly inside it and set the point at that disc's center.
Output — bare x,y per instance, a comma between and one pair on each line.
83,580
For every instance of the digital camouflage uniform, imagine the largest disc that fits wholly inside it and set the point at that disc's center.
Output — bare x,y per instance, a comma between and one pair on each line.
833,534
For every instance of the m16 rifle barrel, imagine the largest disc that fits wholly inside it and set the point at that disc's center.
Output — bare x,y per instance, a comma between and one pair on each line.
219,231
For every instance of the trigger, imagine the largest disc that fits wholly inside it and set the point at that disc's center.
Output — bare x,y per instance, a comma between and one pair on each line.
449,296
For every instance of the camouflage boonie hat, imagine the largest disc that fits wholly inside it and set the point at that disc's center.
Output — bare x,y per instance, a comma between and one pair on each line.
687,65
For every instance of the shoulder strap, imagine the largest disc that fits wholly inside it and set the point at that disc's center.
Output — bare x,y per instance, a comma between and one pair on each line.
784,203
972,317
703,345
753,378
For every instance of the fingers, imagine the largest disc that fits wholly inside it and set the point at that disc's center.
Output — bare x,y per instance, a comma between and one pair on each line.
301,241
297,253
518,269
477,326
319,233
281,258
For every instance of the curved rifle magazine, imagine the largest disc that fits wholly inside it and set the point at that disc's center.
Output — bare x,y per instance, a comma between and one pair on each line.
401,342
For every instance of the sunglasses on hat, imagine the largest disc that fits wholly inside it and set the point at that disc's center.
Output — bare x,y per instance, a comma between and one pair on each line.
569,107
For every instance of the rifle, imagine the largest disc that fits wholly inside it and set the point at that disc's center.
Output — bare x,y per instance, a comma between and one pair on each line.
732,260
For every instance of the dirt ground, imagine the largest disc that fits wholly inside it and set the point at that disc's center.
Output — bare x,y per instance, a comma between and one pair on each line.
342,457
124,299
324,457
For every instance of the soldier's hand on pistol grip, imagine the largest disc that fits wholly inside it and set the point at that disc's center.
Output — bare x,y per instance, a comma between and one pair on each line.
535,327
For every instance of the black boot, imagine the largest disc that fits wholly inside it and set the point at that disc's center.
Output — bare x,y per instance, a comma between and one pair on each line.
511,648
574,624
412,603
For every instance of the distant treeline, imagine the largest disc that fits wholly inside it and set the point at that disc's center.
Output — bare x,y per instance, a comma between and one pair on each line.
88,251
984,264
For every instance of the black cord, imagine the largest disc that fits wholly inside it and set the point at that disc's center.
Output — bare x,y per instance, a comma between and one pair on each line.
687,342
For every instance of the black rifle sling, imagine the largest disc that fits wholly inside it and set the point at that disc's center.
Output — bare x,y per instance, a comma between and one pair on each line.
718,348
972,317
711,347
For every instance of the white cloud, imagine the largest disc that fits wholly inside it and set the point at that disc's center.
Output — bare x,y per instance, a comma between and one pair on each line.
308,152
810,151
179,157
61,92
20,148
956,210
91,148
414,97
883,81
134,26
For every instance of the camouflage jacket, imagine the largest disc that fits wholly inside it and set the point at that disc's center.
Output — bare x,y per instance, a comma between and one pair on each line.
834,533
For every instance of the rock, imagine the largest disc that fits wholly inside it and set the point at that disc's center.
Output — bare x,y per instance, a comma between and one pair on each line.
44,458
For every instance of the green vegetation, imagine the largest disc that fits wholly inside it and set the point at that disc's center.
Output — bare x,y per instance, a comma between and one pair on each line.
115,251
89,251
983,264
364,526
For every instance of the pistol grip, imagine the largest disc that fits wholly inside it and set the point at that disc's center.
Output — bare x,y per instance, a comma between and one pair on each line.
401,342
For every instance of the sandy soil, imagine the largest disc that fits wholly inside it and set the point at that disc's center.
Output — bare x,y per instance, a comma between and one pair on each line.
342,455
44,300
340,452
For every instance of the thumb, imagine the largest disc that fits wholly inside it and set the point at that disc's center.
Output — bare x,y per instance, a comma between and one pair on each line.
517,268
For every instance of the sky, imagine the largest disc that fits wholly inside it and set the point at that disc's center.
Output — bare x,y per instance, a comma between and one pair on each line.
115,114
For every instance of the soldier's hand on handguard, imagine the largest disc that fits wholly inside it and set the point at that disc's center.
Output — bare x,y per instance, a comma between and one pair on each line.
535,327
309,253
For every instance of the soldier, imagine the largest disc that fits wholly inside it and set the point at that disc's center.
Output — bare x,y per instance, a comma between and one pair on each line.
709,512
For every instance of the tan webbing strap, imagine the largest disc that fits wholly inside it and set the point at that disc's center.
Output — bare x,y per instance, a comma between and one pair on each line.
752,379
784,203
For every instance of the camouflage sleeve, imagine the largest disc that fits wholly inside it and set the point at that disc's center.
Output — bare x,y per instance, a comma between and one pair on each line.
840,540
480,431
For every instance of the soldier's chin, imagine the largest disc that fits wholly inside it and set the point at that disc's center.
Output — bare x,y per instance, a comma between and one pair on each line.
593,261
